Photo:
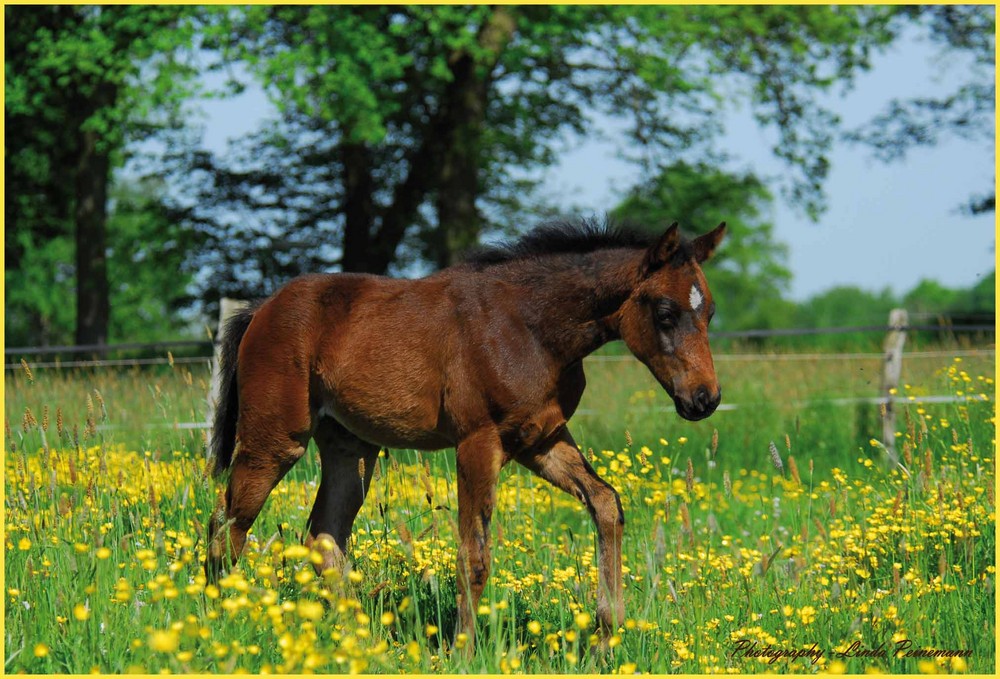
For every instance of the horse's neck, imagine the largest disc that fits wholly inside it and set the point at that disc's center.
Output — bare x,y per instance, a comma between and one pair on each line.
576,299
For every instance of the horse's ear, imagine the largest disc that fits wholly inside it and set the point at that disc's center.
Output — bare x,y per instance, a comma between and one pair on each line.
663,249
705,245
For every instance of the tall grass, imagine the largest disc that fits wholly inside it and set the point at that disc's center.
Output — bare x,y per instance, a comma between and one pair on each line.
731,559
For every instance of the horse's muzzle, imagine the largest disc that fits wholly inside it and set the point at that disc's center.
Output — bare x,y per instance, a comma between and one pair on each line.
700,406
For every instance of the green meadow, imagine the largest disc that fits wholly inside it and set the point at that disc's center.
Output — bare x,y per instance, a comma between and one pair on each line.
772,537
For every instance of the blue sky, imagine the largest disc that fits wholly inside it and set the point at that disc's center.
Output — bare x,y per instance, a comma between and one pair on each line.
887,225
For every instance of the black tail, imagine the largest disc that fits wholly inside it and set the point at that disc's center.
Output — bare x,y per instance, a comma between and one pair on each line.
227,409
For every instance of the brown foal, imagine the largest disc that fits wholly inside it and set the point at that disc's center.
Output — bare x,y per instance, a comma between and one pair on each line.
486,356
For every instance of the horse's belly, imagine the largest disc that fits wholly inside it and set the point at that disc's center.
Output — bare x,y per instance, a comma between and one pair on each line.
406,425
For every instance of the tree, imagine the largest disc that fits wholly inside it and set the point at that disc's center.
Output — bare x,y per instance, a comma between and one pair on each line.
148,263
403,127
929,298
81,84
846,305
967,112
980,301
932,302
750,272
148,272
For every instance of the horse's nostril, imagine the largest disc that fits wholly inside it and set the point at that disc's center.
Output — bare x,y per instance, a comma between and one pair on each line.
701,398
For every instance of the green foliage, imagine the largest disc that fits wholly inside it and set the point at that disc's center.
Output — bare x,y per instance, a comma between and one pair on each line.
148,254
982,297
930,297
111,70
406,132
82,83
36,292
966,112
147,265
846,305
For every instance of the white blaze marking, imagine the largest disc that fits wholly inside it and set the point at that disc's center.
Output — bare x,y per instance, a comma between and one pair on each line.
695,297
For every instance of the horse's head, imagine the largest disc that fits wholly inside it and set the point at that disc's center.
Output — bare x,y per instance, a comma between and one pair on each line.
665,320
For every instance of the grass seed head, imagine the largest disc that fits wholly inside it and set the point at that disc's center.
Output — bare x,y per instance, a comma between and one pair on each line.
690,477
776,457
29,422
673,592
425,478
793,469
685,518
819,526
628,438
27,371
404,533
715,442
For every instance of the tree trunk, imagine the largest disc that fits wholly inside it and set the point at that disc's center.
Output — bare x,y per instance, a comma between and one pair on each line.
448,159
93,172
359,208
459,222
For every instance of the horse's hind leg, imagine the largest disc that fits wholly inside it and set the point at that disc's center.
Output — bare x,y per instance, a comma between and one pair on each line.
348,464
259,464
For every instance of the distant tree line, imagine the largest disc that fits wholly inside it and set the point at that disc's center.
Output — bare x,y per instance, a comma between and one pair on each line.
406,134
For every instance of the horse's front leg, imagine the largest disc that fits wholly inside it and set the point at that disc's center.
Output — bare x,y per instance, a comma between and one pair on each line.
561,463
479,460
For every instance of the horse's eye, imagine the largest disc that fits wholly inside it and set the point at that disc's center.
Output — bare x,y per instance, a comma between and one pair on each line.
665,313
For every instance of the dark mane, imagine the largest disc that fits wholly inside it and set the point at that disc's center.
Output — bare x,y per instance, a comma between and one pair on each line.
560,237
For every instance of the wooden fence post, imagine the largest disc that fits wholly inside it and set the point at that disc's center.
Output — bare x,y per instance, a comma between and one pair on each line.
891,369
227,308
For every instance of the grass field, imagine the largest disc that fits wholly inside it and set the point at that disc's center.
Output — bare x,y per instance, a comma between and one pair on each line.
736,551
